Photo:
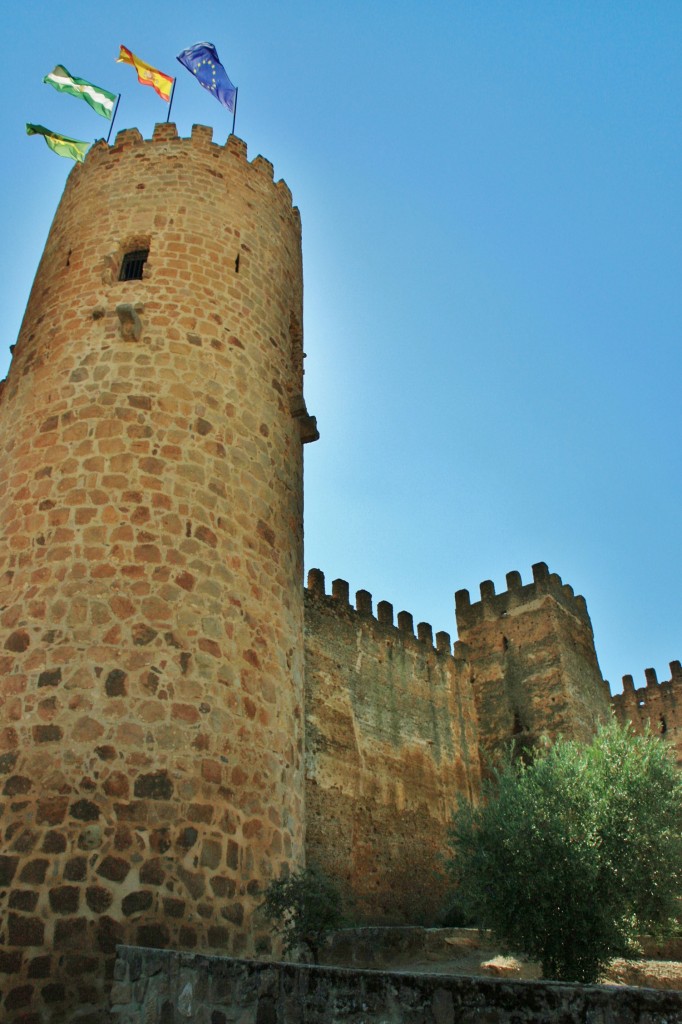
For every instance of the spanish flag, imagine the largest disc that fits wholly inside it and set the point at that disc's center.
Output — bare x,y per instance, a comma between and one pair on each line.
147,75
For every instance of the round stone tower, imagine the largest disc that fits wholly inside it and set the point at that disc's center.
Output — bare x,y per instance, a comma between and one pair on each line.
151,599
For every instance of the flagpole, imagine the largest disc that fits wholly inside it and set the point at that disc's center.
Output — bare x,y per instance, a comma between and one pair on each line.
113,117
170,102
234,112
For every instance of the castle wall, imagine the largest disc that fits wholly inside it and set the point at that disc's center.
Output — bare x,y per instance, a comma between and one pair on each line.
391,743
151,644
534,665
656,706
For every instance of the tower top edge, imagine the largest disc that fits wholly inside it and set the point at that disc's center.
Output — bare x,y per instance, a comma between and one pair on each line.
165,135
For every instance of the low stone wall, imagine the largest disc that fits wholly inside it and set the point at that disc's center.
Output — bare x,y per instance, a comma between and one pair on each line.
378,948
159,987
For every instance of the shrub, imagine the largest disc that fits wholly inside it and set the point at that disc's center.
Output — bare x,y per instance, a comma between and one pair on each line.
572,856
303,907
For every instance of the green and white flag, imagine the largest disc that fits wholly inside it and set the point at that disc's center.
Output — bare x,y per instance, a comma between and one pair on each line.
101,101
60,144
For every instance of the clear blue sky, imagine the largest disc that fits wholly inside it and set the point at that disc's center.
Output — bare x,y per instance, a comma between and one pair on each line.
492,224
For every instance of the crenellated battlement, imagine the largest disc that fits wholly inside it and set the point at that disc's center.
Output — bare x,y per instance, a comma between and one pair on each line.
339,600
493,605
201,141
652,688
656,705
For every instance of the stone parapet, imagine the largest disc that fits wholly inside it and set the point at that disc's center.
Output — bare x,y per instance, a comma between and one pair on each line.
492,605
338,601
391,745
656,706
154,987
534,665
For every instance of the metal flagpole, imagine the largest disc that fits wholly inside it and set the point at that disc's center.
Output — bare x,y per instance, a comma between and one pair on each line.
234,112
113,117
170,102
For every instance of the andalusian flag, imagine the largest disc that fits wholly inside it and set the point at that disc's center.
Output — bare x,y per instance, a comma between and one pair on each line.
101,101
61,144
147,75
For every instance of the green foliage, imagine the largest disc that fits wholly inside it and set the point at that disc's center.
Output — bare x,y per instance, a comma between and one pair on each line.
303,907
574,855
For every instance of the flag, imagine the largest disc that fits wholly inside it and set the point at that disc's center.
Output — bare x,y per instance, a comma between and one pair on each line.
147,75
61,144
101,101
202,60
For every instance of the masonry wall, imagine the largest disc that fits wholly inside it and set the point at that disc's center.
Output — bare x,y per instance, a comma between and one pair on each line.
391,743
656,706
151,655
533,661
162,988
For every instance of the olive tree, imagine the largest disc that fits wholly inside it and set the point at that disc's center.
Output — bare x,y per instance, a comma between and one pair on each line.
573,855
303,906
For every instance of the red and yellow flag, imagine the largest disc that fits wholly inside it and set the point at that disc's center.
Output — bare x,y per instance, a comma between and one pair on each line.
147,75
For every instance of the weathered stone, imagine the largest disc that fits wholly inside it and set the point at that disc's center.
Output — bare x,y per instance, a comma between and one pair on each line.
51,677
8,867
40,967
155,935
98,898
25,931
75,869
64,899
135,902
18,641
7,762
115,683
233,912
10,963
152,872
16,784
173,907
154,786
47,733
23,899
69,932
109,934
222,887
53,993
18,997
84,810
34,871
51,810
218,937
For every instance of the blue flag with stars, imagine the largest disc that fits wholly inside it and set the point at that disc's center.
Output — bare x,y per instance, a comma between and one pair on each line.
202,60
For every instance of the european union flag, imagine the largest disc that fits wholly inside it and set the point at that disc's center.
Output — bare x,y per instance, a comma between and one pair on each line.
202,60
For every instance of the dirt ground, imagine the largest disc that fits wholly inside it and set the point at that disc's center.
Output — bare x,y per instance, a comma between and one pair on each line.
465,951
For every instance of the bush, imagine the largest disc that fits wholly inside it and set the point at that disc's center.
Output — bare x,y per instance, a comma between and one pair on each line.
574,855
303,907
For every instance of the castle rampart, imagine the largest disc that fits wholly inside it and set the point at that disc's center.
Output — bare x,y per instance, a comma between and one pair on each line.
151,623
391,743
534,666
657,706
181,719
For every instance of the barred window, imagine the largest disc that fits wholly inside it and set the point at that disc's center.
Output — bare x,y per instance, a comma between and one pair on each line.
133,265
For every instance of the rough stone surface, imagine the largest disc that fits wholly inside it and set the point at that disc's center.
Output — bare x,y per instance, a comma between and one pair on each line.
152,610
170,988
534,666
391,743
656,706
151,606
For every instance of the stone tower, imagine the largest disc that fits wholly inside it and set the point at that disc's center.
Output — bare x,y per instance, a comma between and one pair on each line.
533,662
151,600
